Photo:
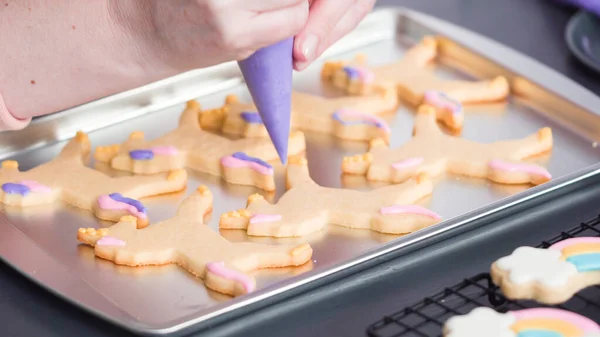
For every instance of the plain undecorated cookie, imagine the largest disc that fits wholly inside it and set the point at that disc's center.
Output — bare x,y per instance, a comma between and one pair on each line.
307,207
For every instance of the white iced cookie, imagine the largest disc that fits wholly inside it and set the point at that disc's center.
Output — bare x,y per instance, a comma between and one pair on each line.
481,322
528,264
535,322
550,275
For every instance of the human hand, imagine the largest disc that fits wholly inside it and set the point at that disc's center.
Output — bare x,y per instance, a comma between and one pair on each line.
188,34
328,21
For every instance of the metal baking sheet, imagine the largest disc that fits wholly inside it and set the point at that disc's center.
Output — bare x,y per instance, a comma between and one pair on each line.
41,242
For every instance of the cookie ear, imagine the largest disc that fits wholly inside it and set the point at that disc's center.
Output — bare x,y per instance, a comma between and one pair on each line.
77,148
105,154
10,165
213,119
190,115
330,68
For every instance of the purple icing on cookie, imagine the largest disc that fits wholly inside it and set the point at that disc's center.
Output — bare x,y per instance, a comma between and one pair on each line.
12,188
337,116
251,117
141,154
243,156
352,72
135,203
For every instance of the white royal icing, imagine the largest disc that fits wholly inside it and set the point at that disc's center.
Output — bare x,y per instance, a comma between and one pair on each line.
481,322
528,264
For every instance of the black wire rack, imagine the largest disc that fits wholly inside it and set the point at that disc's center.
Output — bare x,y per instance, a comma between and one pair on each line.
426,318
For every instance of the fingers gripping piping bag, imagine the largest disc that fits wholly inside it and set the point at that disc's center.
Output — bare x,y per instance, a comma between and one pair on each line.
268,74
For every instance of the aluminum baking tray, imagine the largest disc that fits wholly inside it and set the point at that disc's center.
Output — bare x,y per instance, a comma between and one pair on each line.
41,242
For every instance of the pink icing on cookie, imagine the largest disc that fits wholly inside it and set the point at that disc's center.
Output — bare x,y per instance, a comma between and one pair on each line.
343,114
262,218
232,162
106,202
516,167
219,269
407,163
110,241
584,323
164,150
408,209
366,75
574,241
34,186
442,101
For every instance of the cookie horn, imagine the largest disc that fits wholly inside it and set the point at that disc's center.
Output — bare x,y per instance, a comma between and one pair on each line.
268,74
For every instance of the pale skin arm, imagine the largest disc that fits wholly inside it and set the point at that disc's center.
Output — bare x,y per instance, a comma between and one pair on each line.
61,53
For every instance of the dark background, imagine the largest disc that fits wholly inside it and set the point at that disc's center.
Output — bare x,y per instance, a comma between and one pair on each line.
533,27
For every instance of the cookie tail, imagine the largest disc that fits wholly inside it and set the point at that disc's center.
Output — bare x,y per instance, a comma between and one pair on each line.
191,115
77,148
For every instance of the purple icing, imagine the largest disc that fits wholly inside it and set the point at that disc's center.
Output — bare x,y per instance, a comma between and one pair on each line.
12,188
336,116
351,72
141,154
135,203
251,117
268,74
243,156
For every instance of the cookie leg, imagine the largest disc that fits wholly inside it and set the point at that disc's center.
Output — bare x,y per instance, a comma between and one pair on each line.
477,91
230,276
404,219
516,172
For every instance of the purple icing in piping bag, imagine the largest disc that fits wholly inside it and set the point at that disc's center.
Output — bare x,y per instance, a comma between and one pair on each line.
251,117
268,74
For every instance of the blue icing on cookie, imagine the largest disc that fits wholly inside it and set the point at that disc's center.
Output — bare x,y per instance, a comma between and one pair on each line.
243,156
141,154
251,117
12,188
585,262
135,203
351,72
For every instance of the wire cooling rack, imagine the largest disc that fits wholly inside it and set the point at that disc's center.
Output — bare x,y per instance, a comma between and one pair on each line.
426,318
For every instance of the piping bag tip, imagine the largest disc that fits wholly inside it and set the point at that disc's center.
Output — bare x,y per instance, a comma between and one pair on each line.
268,74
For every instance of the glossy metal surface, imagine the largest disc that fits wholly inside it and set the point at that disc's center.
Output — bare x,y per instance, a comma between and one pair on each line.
41,242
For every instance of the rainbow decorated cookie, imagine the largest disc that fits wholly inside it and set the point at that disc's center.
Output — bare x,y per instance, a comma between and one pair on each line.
537,322
550,275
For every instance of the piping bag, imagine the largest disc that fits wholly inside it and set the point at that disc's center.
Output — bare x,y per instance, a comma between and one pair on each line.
268,74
